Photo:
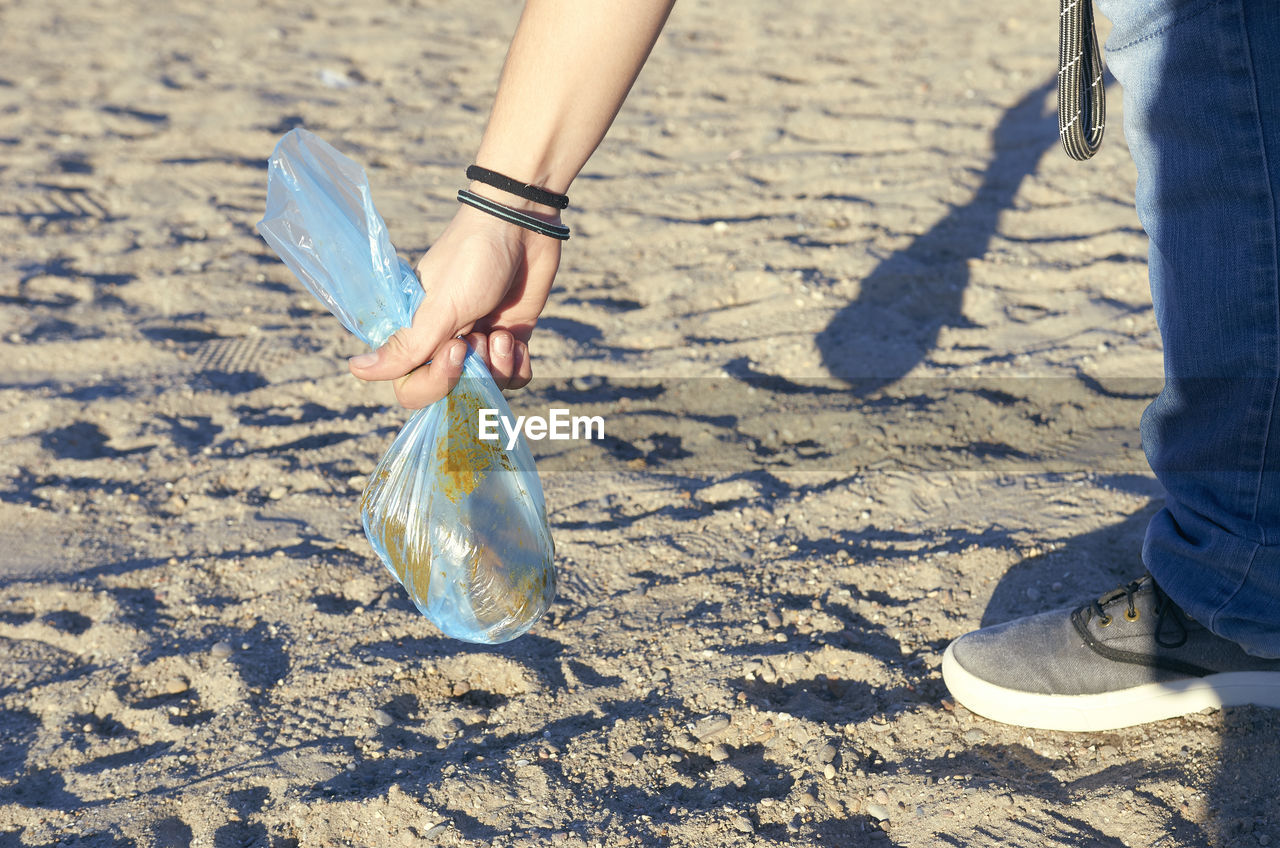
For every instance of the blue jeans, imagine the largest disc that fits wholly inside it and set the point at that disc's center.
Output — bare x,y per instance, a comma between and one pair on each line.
1201,83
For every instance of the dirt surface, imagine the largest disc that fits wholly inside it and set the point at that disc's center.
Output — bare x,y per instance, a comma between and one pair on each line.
869,348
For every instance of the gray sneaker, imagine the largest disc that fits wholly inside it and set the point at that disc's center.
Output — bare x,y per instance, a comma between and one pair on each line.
1132,656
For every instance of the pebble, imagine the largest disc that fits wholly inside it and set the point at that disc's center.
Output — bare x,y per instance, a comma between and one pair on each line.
772,619
1033,594
743,825
461,688
879,812
436,829
684,740
842,555
629,758
827,753
221,650
711,727
829,771
719,753
175,686
383,718
881,797
974,736
807,800
1107,751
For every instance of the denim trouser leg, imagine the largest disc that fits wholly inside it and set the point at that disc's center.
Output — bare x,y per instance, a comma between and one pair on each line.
1201,83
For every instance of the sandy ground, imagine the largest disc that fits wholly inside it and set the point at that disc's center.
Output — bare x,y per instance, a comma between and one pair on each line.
870,351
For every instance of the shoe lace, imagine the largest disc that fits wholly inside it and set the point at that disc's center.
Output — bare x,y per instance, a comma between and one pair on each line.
1167,611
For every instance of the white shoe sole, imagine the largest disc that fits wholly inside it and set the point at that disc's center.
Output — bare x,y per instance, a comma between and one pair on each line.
1109,710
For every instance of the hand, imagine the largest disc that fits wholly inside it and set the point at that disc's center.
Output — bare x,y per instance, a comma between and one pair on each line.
482,277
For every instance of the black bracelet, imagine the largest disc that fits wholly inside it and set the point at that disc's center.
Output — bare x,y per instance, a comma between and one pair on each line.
519,189
513,216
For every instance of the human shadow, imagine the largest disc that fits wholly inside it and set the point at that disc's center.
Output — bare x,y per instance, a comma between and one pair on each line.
903,303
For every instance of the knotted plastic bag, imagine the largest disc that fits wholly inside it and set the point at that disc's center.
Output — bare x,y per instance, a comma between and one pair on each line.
458,520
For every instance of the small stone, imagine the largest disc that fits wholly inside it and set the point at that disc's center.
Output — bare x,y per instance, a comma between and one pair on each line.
435,830
829,771
277,493
382,718
807,800
879,812
461,688
881,797
720,227
684,741
1033,594
842,555
711,727
719,753
174,686
974,736
629,758
834,805
221,650
772,619
743,825
827,753
1107,751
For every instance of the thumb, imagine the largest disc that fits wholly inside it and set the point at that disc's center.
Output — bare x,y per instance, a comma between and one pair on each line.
408,348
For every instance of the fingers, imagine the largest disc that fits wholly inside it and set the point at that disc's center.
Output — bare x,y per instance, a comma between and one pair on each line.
522,373
427,384
407,348
506,357
502,360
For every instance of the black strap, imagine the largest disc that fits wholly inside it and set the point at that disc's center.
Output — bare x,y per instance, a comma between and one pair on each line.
1082,95
528,192
513,216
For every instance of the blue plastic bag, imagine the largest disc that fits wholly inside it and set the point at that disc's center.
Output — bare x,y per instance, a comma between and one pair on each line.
458,520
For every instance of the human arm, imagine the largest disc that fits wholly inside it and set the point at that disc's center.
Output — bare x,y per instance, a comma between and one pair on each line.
569,68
